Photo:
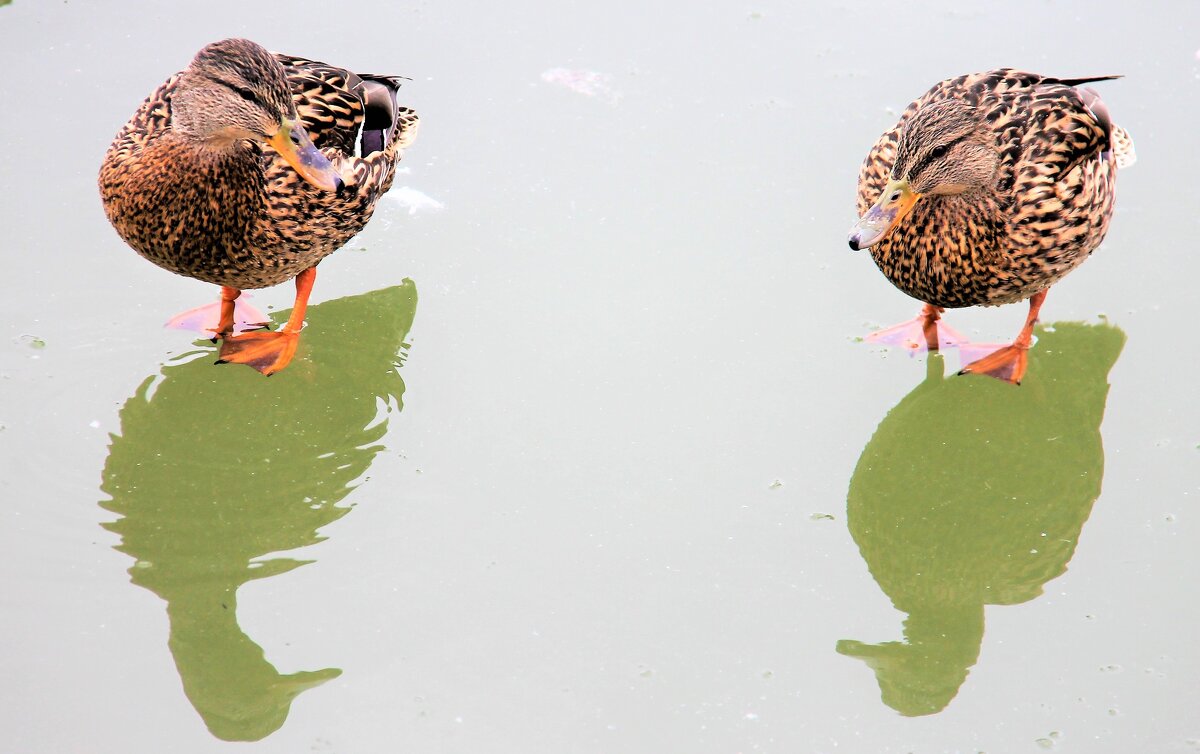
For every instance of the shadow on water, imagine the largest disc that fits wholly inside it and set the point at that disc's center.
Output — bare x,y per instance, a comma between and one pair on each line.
218,466
970,493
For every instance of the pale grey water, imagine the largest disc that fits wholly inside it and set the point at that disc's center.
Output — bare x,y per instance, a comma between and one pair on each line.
635,315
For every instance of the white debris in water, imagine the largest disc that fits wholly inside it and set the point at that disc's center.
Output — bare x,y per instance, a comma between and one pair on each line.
588,83
415,201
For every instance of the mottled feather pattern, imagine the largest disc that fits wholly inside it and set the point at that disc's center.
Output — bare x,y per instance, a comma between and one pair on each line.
1123,147
328,99
248,220
150,119
1046,211
330,103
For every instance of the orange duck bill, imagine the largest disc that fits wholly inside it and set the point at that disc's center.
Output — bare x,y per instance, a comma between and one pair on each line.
896,201
292,143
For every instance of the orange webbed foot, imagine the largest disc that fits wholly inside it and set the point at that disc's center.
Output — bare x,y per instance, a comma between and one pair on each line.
918,335
268,352
207,319
1006,363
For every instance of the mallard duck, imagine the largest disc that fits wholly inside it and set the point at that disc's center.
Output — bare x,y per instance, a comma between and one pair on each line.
242,170
988,190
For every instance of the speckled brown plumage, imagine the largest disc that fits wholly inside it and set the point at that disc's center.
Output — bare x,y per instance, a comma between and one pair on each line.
232,211
1045,209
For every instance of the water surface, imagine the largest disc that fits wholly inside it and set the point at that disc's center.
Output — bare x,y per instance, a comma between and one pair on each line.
648,491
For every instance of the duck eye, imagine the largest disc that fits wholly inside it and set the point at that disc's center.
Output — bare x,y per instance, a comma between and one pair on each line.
939,152
246,94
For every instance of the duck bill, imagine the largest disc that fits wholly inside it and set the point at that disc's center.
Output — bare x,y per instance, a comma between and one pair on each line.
293,145
894,203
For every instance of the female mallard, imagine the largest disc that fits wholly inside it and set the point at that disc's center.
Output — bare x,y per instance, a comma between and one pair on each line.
241,170
990,188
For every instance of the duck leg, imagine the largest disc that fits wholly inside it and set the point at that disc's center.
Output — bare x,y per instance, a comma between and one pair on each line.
225,317
922,333
225,323
268,352
1009,362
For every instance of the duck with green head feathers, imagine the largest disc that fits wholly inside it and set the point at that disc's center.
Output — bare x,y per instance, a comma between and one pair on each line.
990,188
248,168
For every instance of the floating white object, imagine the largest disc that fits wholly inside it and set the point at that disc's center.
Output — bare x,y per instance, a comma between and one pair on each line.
415,201
588,83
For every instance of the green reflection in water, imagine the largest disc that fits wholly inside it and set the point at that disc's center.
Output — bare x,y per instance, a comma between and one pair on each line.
973,492
218,466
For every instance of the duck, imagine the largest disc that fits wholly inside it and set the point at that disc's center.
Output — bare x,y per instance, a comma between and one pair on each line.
989,189
246,169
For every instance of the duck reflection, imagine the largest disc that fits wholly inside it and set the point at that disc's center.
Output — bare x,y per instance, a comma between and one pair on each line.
972,493
215,467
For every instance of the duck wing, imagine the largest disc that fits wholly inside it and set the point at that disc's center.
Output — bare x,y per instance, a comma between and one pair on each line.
356,114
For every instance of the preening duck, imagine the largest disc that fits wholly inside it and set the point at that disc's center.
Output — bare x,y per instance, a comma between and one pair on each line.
248,168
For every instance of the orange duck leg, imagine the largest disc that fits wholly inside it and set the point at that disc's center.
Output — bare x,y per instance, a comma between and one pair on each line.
229,315
923,333
268,352
1008,363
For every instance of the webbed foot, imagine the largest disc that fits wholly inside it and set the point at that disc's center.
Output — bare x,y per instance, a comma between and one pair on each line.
268,352
922,333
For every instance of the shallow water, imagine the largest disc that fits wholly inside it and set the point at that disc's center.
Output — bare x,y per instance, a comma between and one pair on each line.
582,450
